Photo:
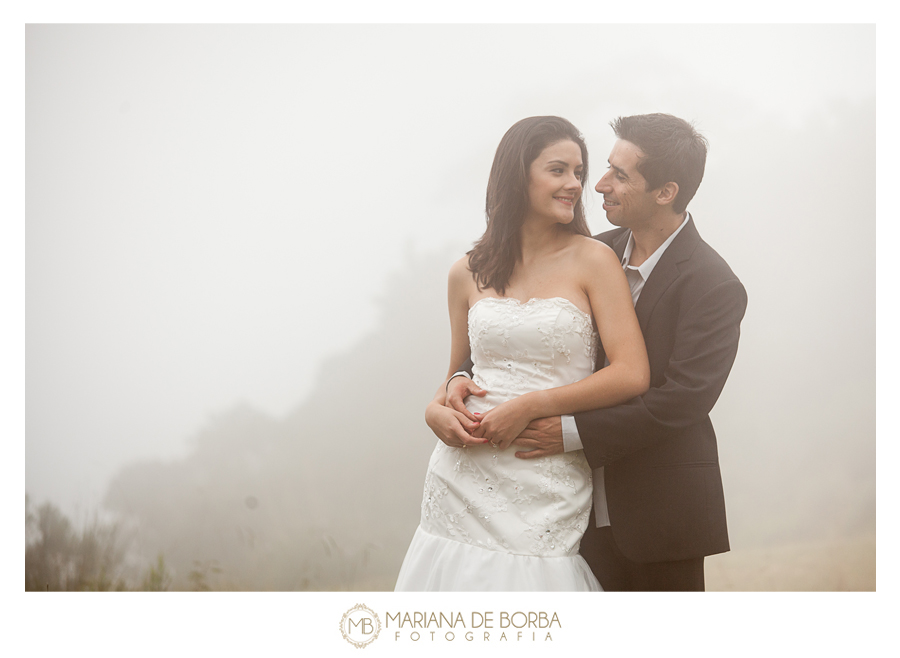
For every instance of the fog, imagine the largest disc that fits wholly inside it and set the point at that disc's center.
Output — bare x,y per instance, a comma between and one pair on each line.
237,240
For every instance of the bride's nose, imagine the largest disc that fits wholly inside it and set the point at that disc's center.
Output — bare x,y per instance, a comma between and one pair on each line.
574,183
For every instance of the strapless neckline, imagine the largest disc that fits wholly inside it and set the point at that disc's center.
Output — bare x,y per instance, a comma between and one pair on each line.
562,301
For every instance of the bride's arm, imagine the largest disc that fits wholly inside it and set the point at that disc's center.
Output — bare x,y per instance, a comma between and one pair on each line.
628,373
451,426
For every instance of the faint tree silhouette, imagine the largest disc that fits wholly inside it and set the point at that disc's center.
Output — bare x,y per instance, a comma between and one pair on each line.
57,558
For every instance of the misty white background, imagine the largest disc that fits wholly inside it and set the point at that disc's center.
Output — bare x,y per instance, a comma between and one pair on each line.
212,211
734,80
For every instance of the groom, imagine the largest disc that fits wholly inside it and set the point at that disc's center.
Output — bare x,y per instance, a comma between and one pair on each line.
658,501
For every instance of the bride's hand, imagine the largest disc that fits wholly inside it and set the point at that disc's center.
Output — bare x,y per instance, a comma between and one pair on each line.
451,427
502,424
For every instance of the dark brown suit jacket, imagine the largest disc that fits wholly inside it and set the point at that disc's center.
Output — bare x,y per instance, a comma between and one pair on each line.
661,465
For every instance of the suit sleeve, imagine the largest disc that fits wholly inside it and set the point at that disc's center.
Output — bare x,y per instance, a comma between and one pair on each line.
706,341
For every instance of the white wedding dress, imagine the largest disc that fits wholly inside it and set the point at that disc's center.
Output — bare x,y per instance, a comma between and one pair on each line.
491,521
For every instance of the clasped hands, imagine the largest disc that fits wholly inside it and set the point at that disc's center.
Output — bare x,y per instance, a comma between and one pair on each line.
506,424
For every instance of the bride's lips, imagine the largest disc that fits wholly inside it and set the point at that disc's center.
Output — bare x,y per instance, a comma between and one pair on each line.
565,200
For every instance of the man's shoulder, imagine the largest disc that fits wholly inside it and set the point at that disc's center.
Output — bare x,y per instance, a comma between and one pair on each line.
707,260
693,255
608,237
706,275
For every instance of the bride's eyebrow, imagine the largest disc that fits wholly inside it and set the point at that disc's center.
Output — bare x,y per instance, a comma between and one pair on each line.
562,162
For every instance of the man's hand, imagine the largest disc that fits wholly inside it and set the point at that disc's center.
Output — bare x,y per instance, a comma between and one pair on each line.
542,437
458,389
451,427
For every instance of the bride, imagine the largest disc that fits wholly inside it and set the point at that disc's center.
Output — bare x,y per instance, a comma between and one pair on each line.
528,305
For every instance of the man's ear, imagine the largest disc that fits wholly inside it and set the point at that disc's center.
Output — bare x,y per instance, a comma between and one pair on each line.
667,193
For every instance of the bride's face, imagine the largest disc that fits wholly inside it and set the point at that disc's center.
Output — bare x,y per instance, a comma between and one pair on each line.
554,185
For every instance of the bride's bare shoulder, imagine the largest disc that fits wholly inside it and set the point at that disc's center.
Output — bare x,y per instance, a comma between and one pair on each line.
593,253
460,269
461,277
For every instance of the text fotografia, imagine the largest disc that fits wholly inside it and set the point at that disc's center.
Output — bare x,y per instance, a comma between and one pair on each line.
480,626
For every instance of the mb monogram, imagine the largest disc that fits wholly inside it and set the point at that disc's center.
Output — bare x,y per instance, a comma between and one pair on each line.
360,626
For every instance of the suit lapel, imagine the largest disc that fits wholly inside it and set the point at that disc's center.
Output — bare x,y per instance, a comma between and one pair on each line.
664,274
619,243
666,271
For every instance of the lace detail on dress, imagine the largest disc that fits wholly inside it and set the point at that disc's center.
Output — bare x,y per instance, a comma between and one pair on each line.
486,497
508,354
474,506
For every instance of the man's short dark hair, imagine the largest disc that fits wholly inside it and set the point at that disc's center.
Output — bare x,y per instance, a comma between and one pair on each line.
673,151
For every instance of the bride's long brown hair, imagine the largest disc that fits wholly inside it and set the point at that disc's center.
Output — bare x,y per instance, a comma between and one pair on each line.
494,255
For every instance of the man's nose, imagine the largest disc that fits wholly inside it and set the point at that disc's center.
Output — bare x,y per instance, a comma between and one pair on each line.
603,184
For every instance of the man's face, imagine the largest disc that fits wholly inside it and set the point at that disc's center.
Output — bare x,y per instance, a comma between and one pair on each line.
626,200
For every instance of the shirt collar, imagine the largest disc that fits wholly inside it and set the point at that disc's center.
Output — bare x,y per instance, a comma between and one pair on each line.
647,266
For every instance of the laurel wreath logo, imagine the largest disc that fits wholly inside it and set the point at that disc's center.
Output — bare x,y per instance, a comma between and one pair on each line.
360,626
